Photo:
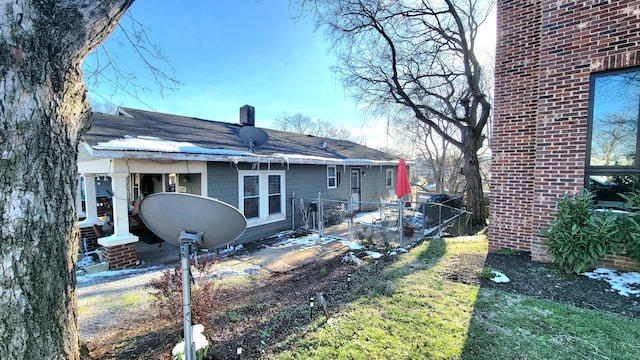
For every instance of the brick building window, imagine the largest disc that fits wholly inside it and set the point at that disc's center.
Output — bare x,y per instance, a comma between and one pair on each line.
614,113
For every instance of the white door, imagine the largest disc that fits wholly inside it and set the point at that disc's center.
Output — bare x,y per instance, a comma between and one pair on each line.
355,189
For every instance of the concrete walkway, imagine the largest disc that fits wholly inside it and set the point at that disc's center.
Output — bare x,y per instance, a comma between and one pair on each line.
279,257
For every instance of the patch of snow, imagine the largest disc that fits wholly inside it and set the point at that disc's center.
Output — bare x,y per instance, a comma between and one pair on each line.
499,277
116,273
297,241
352,245
148,143
351,258
230,250
87,260
298,157
374,254
200,342
367,218
625,284
431,230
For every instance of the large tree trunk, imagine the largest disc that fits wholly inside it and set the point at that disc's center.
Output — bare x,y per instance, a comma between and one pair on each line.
43,108
474,195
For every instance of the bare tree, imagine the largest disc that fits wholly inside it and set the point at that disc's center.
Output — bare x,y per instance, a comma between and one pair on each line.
615,138
302,124
44,114
103,65
104,107
418,56
297,123
440,159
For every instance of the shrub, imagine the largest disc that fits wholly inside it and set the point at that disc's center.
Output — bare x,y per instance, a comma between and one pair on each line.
578,235
168,295
629,235
633,199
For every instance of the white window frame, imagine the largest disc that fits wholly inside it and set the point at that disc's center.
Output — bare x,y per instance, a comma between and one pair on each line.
263,196
334,177
388,180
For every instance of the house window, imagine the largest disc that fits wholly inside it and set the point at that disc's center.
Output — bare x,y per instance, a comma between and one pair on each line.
614,113
251,196
275,194
261,195
389,178
332,177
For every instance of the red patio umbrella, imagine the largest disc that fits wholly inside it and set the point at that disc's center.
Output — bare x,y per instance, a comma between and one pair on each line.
402,184
402,188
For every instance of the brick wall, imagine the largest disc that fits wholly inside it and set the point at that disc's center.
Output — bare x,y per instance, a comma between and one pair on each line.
546,51
89,234
121,256
618,262
515,112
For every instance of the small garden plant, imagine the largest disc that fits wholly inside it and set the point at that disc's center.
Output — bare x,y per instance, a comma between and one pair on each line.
487,273
505,251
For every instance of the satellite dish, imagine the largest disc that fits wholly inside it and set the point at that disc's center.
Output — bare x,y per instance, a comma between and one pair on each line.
167,213
253,136
190,221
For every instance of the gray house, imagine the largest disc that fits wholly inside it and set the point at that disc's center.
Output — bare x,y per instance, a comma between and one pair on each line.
140,152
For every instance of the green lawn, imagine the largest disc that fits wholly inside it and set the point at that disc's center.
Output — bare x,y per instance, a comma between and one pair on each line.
408,310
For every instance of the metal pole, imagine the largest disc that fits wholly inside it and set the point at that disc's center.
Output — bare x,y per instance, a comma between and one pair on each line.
293,211
320,214
439,220
351,238
400,218
186,300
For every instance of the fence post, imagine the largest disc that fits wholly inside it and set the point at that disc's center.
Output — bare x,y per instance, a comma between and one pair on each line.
439,220
320,214
293,211
350,210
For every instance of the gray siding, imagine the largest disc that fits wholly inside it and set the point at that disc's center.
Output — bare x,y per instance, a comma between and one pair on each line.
222,182
305,181
374,184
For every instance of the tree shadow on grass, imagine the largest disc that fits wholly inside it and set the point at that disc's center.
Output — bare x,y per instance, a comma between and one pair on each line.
535,283
266,315
273,314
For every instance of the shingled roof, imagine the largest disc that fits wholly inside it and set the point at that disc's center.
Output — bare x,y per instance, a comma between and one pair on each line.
143,134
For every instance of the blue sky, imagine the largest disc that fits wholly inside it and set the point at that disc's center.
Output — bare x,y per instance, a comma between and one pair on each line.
232,53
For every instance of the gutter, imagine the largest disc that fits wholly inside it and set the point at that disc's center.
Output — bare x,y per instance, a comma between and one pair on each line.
240,157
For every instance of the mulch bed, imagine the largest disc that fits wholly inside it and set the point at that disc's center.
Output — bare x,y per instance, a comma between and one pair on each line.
546,281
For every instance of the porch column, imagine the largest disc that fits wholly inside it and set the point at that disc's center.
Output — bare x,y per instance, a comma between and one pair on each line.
90,202
120,203
88,236
119,250
79,186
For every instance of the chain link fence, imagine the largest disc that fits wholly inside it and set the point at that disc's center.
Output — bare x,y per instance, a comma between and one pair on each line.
379,224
